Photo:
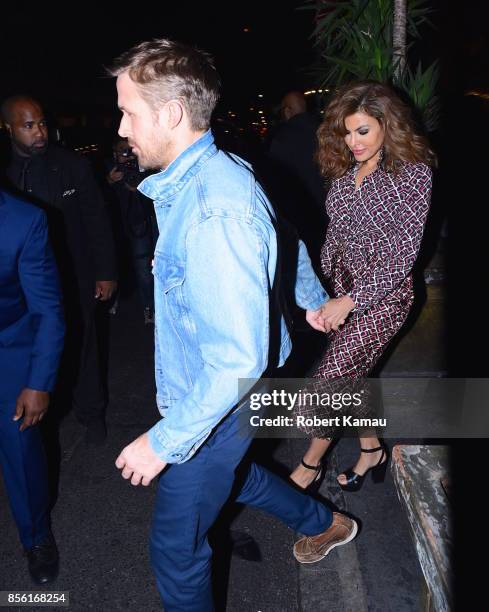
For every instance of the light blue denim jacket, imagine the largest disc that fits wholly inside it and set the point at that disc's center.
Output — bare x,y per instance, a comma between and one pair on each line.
214,272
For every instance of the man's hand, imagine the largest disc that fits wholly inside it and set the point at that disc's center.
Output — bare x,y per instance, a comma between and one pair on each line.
139,462
315,318
114,176
336,310
104,289
32,405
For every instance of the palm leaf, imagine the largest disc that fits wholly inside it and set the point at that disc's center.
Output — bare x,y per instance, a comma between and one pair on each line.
353,39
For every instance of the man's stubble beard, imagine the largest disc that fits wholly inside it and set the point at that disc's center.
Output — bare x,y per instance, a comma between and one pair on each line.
26,151
156,155
149,162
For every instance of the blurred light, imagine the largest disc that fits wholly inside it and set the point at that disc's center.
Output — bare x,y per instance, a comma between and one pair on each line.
478,94
251,108
260,112
260,95
246,29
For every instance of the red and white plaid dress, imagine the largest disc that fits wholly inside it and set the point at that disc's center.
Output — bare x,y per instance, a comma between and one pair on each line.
372,242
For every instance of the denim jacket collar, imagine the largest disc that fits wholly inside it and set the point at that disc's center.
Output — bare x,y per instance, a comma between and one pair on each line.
166,183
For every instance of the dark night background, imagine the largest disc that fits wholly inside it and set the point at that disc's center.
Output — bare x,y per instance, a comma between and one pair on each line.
60,53
260,48
58,56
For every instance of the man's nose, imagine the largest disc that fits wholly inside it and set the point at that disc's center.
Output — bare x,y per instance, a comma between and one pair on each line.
40,130
123,128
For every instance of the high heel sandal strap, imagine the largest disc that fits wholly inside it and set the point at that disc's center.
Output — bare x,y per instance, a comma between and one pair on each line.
316,468
374,450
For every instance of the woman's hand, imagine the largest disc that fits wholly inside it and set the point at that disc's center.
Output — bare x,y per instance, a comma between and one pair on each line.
336,310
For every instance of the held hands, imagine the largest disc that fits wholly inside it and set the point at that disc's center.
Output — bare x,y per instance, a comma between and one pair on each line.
32,405
104,289
316,320
139,462
331,315
336,310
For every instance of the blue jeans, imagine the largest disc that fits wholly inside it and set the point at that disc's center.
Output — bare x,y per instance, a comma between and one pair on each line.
23,464
190,497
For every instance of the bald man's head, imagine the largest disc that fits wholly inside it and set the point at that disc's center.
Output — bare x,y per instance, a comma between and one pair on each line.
25,122
293,103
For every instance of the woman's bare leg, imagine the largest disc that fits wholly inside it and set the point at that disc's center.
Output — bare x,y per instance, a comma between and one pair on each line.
303,476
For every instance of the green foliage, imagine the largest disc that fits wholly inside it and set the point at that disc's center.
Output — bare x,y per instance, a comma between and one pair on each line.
354,41
420,86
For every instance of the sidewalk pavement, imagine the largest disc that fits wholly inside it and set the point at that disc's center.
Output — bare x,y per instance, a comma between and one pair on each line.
102,523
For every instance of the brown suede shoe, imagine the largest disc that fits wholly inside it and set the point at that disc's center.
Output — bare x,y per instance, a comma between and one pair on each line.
314,548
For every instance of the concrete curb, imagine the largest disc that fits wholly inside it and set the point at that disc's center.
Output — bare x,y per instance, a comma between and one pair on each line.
335,584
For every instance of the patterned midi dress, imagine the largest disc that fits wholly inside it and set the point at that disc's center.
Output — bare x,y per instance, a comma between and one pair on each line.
371,244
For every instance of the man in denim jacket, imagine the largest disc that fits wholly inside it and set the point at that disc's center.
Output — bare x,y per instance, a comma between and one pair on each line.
214,268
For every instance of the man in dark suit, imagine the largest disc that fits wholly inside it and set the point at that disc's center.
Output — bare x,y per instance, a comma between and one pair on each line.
31,341
296,186
63,184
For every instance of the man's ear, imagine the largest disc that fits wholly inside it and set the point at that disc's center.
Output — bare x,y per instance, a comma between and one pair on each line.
8,127
174,113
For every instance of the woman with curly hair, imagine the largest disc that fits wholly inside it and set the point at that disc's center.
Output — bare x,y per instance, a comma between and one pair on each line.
377,205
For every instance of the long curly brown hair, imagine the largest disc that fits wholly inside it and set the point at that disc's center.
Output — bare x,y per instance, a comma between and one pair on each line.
403,142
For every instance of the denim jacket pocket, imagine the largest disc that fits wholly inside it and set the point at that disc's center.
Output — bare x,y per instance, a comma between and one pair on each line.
170,274
171,305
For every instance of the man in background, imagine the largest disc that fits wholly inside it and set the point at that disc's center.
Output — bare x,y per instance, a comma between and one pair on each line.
295,181
62,183
138,220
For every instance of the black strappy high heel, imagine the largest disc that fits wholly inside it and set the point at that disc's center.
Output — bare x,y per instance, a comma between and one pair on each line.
316,483
354,481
